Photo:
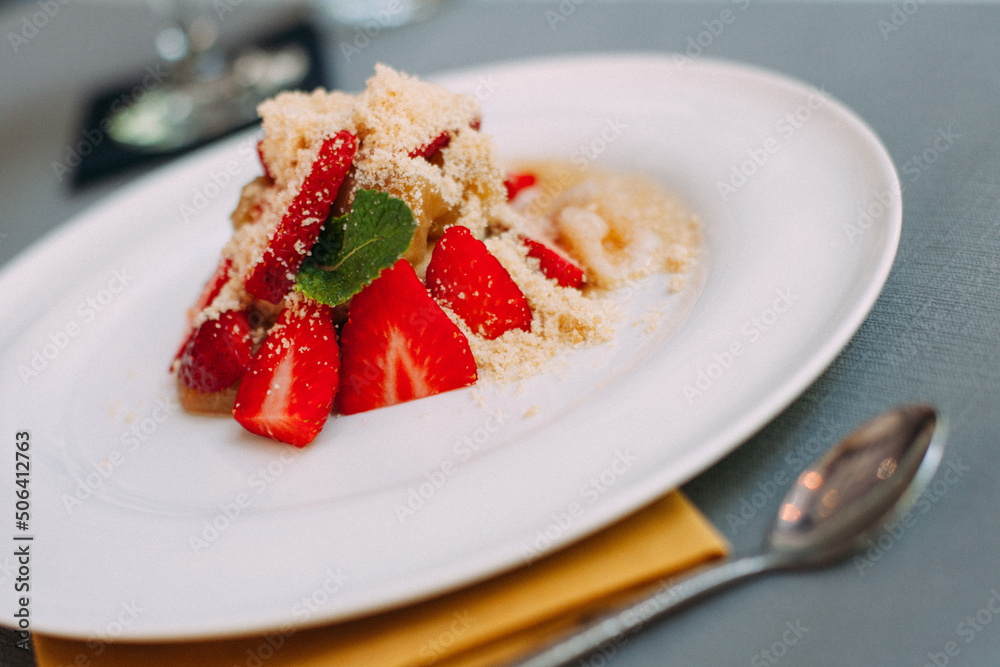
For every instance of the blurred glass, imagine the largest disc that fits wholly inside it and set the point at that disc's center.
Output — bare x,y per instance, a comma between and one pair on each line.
209,92
375,13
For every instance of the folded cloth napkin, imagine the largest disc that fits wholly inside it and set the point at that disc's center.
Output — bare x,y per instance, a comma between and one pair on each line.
487,623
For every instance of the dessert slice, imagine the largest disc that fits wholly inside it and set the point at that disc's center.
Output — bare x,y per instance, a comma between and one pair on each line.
350,184
382,256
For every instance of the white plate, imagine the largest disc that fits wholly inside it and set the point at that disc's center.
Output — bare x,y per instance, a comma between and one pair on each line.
124,484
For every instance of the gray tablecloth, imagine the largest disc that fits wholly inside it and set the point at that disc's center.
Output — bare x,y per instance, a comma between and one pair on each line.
926,78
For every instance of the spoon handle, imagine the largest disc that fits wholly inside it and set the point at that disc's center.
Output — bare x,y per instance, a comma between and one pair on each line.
632,618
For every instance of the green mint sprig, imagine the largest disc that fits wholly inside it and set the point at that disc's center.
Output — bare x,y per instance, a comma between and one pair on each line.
353,249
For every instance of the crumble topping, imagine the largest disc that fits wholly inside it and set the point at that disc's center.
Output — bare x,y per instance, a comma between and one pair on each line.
420,143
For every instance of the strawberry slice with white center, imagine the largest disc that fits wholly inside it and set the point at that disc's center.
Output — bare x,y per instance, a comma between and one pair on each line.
554,264
217,353
465,276
273,275
398,345
287,394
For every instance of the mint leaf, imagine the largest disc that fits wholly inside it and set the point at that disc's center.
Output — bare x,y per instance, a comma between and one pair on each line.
353,249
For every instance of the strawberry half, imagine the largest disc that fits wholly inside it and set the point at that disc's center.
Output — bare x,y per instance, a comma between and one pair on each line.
217,354
288,392
554,264
468,279
515,182
399,345
272,277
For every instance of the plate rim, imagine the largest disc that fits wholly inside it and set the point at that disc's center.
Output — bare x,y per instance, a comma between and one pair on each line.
734,434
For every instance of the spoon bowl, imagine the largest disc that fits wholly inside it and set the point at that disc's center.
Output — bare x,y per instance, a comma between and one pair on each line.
853,491
857,486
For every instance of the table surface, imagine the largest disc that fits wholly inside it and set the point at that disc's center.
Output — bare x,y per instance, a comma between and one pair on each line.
926,593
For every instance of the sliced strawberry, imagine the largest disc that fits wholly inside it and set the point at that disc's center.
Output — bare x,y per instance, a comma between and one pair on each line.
399,345
208,294
515,182
217,354
464,275
555,264
288,392
427,151
272,277
175,364
263,163
213,286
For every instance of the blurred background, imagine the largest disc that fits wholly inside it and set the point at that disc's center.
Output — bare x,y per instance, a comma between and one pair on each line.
96,92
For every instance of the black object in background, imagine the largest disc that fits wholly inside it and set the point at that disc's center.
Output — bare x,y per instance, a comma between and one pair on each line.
98,156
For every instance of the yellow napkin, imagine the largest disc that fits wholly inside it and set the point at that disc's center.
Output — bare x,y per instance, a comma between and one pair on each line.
485,624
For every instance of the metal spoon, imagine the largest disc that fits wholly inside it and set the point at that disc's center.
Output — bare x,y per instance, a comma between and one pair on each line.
855,489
